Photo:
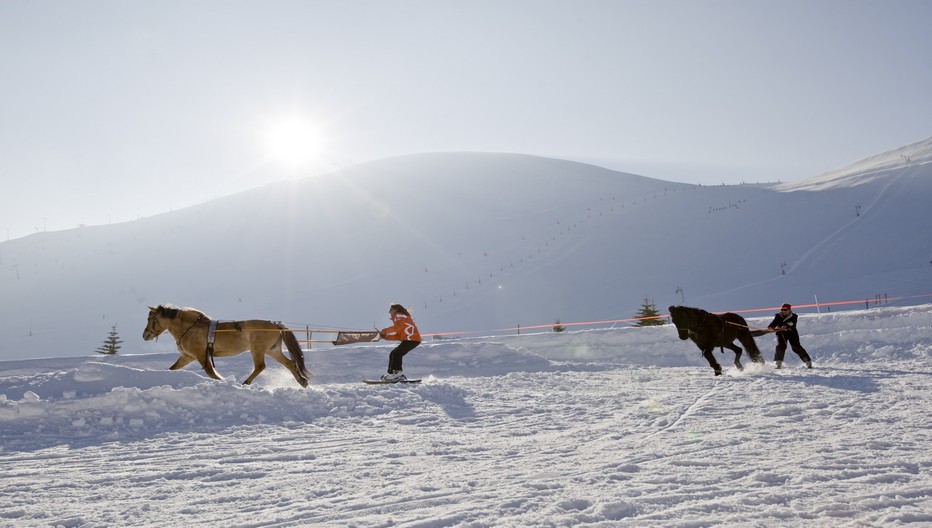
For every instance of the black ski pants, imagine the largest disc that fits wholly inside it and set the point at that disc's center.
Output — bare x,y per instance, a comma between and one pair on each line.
793,339
394,358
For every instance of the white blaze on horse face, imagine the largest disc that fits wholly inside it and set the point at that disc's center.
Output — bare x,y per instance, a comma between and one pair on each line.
293,142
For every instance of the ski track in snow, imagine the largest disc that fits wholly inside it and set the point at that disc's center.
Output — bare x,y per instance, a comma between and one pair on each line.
881,194
611,441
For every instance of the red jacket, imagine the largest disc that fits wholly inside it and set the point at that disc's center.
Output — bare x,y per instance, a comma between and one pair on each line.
404,329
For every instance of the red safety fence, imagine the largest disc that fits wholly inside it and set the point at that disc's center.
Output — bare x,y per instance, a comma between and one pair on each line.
308,331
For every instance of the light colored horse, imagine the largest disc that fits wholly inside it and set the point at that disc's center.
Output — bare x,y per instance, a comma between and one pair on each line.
190,328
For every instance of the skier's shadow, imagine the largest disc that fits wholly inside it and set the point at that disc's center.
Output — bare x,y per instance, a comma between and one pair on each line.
448,397
864,384
860,380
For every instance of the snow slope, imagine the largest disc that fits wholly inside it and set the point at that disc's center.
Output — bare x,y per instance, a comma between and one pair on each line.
882,165
474,243
608,427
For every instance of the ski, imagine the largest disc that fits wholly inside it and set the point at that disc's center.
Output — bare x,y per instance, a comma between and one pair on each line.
383,382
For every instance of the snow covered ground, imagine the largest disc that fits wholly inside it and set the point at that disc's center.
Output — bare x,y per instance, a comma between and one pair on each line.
615,427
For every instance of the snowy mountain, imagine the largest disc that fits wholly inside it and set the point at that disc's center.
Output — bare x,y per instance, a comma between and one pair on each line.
602,425
475,243
868,169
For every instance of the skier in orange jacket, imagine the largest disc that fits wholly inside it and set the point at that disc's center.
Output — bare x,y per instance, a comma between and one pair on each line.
403,329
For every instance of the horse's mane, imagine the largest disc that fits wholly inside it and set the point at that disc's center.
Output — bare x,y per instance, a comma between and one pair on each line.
691,314
171,312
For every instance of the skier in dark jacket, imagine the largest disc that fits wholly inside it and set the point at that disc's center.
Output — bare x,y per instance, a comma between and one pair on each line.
784,324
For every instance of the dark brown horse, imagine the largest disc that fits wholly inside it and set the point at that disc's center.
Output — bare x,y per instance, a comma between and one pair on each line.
710,331
191,330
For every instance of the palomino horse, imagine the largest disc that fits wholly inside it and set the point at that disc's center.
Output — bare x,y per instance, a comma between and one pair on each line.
191,329
709,331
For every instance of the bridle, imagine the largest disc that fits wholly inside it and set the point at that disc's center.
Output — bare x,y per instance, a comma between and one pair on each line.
157,327
688,330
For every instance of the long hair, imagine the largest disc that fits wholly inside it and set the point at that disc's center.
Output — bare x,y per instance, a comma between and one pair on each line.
400,309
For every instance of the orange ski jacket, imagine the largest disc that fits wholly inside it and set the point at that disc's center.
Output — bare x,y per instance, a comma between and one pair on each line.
404,329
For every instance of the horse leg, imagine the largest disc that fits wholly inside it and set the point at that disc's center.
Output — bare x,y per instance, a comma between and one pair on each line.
748,341
208,365
182,361
209,369
277,355
258,365
737,350
707,354
202,359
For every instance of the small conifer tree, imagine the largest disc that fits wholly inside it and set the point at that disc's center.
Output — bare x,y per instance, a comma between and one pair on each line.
557,327
111,345
648,315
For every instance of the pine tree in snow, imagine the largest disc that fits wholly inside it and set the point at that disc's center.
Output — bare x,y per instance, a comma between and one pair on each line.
111,345
648,315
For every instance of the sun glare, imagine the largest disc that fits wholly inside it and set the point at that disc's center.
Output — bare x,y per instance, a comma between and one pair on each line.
292,142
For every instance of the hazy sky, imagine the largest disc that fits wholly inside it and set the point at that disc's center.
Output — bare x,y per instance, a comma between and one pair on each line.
113,110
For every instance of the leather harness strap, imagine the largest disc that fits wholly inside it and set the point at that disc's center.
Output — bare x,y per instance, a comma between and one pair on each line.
211,335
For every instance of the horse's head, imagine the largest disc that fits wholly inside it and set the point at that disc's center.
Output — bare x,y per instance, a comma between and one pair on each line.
680,318
164,316
154,327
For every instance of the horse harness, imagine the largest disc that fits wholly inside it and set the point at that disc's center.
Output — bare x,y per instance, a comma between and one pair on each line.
211,335
188,329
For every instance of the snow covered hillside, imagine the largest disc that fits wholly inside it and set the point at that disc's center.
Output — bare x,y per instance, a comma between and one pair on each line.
608,427
473,243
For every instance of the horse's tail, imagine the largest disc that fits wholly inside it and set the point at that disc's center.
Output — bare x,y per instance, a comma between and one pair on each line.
297,355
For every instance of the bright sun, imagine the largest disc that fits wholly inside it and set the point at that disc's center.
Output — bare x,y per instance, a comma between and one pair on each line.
293,142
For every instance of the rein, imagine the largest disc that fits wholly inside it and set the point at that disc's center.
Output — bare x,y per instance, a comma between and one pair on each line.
752,329
196,321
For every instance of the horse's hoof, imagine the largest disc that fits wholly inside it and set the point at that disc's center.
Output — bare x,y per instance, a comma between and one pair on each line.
718,372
